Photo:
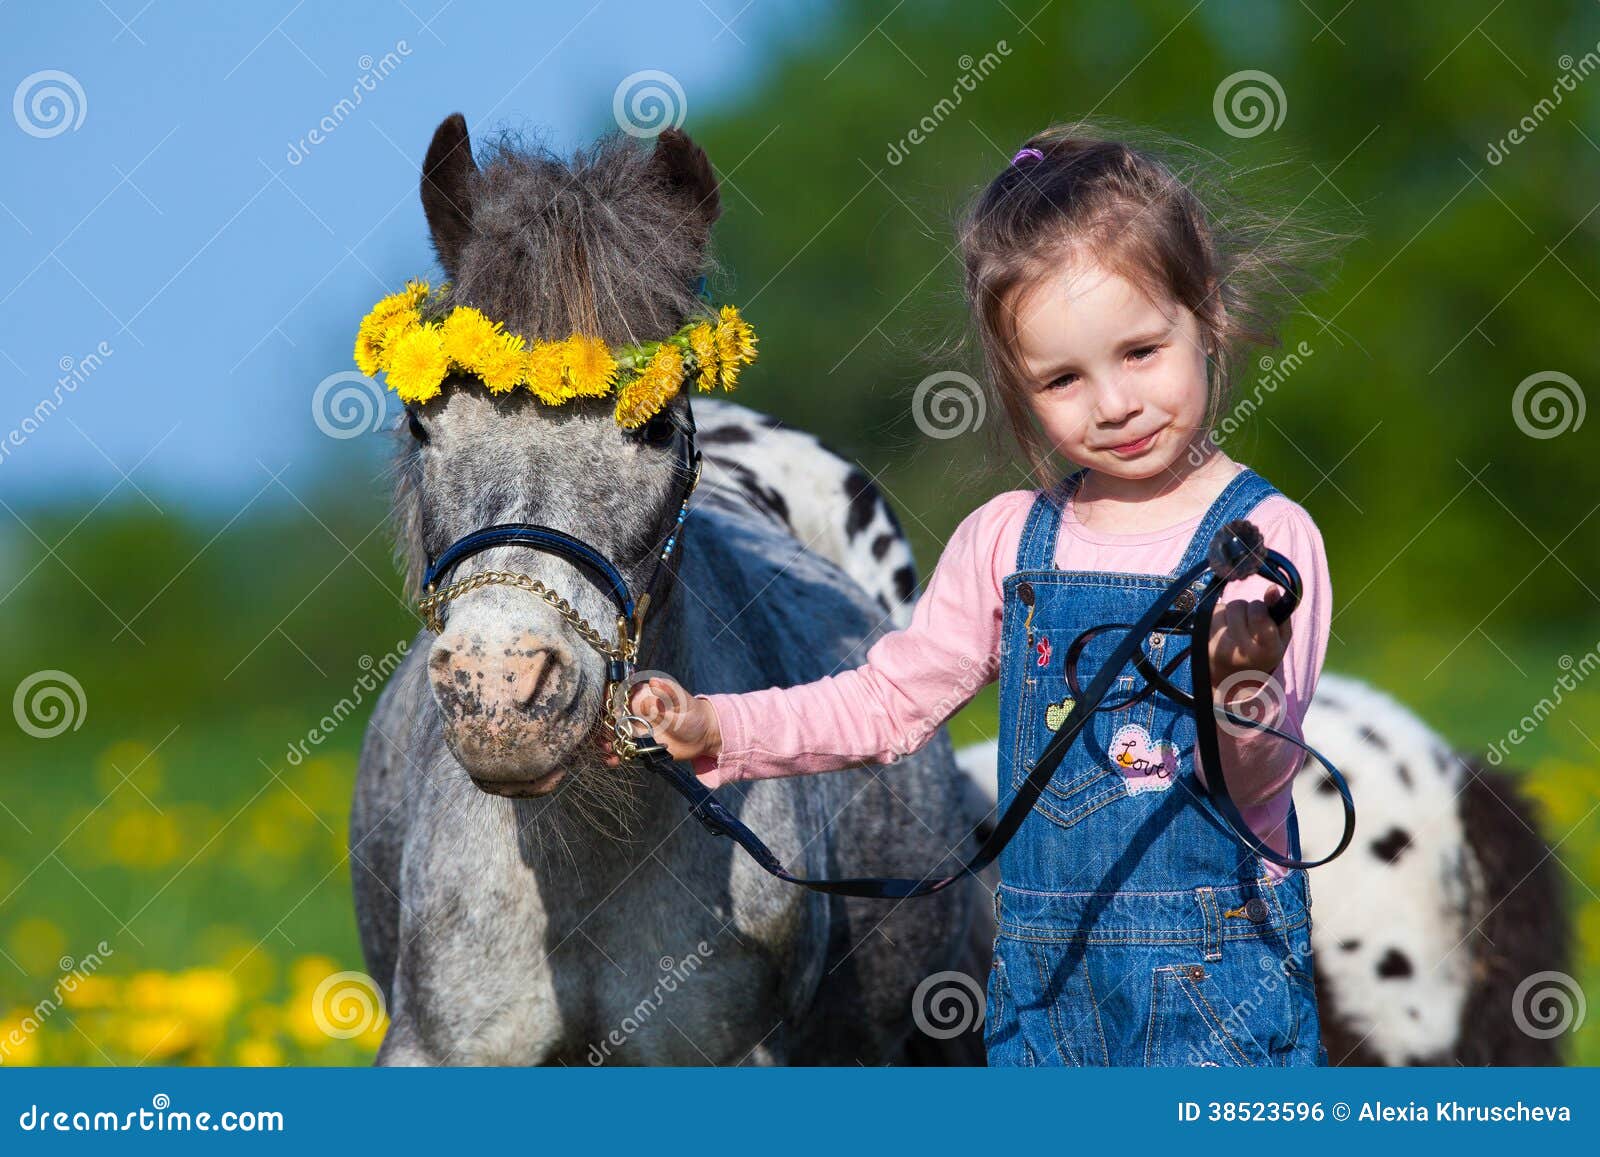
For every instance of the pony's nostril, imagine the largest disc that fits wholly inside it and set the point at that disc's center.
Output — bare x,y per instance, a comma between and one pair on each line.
535,681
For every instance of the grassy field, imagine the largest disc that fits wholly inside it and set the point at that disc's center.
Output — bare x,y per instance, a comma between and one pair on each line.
215,872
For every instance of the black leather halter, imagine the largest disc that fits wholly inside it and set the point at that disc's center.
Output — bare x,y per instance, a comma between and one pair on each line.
591,562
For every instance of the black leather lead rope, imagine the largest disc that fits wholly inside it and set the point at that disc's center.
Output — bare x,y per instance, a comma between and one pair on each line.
1236,552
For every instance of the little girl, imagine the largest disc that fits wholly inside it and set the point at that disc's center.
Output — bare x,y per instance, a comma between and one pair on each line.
1133,929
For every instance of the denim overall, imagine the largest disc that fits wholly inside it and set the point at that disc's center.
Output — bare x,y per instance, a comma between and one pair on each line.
1133,928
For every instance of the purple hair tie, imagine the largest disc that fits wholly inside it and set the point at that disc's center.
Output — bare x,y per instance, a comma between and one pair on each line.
1028,152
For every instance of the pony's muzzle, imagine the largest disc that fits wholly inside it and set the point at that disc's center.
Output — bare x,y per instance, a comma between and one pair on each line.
508,704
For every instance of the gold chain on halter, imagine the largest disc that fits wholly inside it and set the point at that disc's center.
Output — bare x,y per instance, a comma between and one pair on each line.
626,649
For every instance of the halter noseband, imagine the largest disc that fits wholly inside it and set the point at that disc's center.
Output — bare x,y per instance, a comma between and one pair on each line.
621,655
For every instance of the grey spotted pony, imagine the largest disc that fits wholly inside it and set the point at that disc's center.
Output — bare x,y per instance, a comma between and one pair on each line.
519,902
1426,928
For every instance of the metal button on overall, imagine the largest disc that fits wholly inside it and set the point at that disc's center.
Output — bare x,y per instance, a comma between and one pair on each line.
1256,909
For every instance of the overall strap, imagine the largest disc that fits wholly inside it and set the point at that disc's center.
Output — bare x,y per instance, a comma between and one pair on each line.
1238,498
1037,549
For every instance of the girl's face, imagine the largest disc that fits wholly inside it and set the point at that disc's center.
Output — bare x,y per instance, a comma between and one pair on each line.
1117,382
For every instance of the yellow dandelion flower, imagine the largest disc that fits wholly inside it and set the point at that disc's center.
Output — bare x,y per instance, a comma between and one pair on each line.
703,344
417,363
543,373
736,345
644,395
589,365
502,364
469,337
369,346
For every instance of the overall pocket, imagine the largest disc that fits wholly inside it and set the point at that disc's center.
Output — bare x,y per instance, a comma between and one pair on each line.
1202,1014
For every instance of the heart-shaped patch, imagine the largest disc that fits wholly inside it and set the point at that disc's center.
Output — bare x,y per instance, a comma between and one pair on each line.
1146,764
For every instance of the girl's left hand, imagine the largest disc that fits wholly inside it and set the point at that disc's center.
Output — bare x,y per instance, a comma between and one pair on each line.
1244,637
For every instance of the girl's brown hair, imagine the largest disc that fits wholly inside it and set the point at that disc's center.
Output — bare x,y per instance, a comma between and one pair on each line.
1168,217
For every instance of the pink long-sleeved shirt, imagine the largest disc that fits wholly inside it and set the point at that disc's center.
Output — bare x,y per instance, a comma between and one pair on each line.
916,678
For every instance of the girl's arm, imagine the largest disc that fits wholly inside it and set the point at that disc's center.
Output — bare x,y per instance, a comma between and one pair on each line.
912,681
1260,765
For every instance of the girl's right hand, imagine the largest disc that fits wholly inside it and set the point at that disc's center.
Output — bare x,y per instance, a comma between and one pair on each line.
685,726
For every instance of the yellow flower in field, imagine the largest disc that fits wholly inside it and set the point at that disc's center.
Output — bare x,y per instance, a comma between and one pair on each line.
259,1053
589,365
703,344
417,363
156,1038
638,399
19,1038
310,971
205,994
148,991
131,760
543,372
91,992
469,336
736,345
501,365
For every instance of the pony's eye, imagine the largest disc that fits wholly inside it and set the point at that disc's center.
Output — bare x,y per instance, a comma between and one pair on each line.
416,428
658,431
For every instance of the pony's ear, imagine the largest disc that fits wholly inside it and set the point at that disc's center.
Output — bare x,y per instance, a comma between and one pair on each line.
447,174
683,166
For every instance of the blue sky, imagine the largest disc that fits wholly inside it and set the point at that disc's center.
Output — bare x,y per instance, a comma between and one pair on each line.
172,217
